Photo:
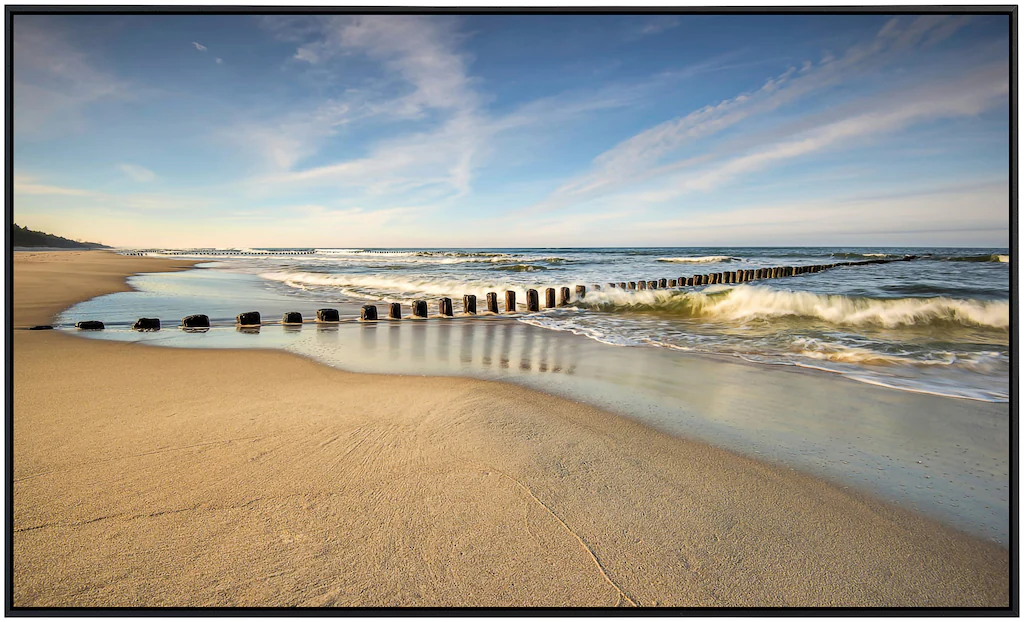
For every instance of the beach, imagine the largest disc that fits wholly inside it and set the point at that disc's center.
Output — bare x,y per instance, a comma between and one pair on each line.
148,476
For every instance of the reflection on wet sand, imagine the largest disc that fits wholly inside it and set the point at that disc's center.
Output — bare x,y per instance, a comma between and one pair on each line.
946,457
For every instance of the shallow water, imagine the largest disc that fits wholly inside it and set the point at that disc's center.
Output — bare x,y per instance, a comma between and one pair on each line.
939,324
948,458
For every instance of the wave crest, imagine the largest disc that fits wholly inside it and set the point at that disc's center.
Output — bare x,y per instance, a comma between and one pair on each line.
704,259
747,302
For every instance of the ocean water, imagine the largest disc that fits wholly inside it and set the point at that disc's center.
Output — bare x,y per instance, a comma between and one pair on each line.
892,379
939,324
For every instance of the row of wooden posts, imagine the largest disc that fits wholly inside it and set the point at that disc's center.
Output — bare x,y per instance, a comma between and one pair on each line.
368,313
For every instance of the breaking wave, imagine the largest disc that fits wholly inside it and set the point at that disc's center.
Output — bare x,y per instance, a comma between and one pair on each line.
705,259
746,303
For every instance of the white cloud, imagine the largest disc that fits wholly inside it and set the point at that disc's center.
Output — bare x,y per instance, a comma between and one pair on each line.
967,96
660,23
54,81
639,155
199,46
137,173
220,61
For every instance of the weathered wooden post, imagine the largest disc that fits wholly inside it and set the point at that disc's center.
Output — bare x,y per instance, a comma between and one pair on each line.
672,283
444,306
90,325
652,285
368,313
663,283
419,308
198,321
510,301
565,295
632,285
395,312
549,297
581,292
641,284
492,302
532,301
327,315
622,285
469,304
595,287
290,317
689,281
249,318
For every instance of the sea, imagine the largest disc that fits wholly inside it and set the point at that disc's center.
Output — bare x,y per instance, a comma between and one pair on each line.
937,326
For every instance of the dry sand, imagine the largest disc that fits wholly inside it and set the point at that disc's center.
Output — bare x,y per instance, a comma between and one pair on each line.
152,476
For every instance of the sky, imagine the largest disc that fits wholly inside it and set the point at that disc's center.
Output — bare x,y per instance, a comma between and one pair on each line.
513,131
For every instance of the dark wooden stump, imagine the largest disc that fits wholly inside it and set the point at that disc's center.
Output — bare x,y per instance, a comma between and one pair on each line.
146,324
492,302
581,292
549,297
291,317
93,325
566,295
510,301
469,304
419,308
532,300
201,321
632,285
327,315
368,313
641,284
672,282
395,311
249,318
444,307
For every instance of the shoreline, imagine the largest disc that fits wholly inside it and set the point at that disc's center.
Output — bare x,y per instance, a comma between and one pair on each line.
558,453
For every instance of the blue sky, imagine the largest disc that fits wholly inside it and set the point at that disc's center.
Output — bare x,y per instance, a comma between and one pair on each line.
515,131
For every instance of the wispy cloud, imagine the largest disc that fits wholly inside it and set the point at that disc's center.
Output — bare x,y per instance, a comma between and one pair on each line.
199,46
137,173
660,24
968,96
641,154
220,61
54,80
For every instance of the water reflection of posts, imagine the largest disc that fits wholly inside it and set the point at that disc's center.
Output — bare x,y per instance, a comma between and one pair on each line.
527,354
419,342
489,328
466,343
506,343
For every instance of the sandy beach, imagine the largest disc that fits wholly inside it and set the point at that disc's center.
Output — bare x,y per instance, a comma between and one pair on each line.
148,476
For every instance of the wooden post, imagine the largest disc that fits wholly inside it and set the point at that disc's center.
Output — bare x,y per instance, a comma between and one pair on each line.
549,297
566,296
612,286
419,308
510,302
492,302
581,292
672,283
203,321
632,285
622,285
444,306
595,287
663,283
469,304
689,281
292,317
368,313
395,313
250,318
96,325
652,285
641,284
532,302
327,315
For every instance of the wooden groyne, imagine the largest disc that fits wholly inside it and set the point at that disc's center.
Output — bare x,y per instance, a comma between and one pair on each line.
552,298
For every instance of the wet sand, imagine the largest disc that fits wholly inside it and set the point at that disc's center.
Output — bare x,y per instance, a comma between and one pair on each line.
155,476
